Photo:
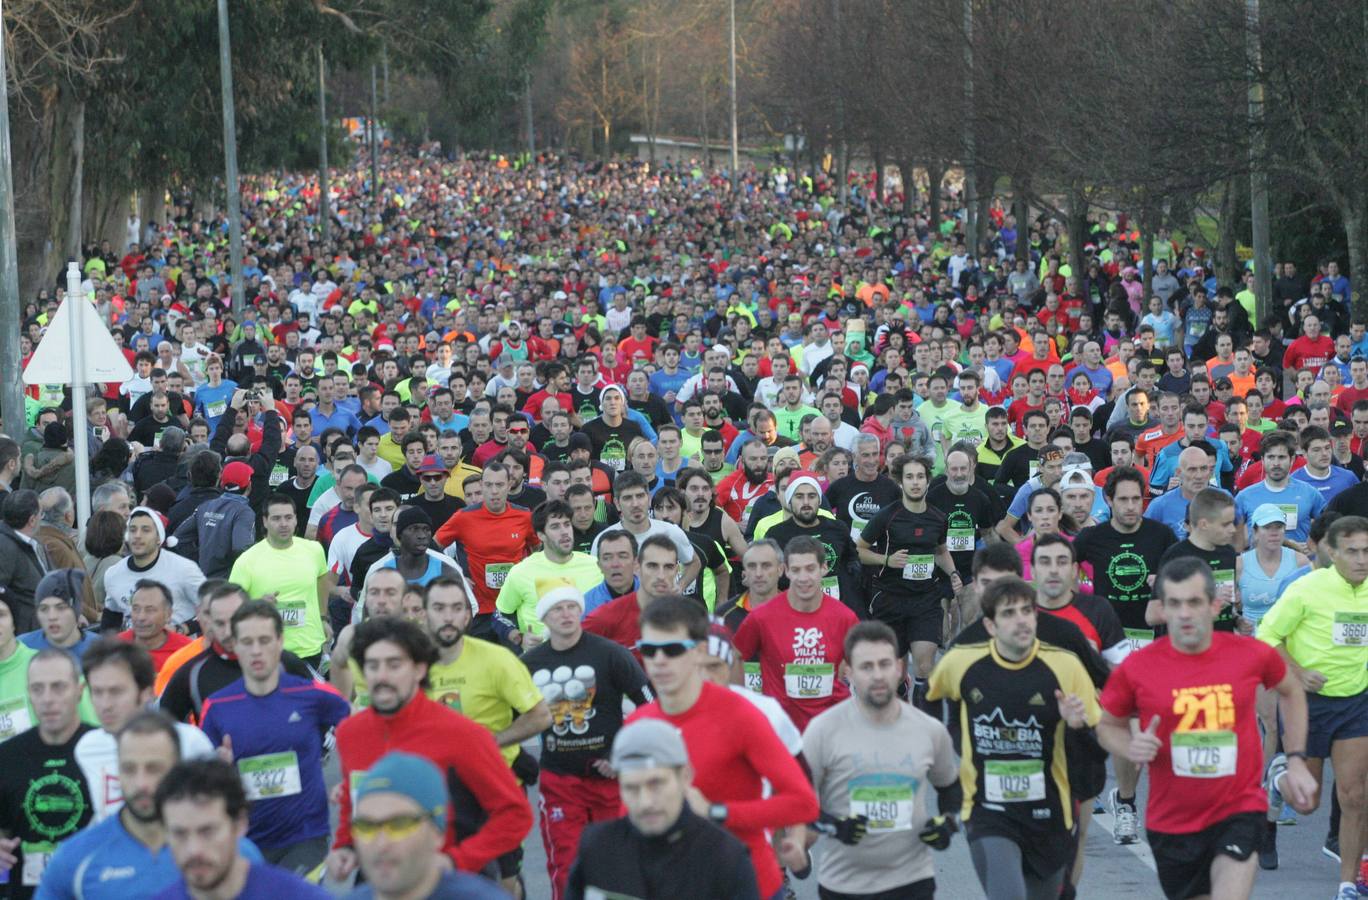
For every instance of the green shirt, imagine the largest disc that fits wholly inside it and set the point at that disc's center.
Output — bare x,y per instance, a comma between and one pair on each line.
16,713
292,575
788,421
519,593
1322,621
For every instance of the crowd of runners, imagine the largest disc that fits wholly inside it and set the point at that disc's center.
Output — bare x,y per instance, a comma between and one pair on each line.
728,537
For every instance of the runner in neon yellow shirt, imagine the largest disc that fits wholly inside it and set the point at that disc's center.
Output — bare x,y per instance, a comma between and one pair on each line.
558,559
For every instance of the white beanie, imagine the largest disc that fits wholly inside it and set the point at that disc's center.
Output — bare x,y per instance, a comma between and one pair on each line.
551,591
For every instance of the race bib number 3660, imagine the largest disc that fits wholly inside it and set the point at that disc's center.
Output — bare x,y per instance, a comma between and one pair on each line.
496,574
1350,629
1014,781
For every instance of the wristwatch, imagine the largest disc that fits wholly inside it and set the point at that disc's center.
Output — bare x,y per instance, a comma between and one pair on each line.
717,813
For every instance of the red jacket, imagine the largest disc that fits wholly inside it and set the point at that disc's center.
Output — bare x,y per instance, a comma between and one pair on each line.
454,744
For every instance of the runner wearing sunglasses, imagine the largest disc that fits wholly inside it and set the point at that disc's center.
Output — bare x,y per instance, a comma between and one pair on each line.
732,746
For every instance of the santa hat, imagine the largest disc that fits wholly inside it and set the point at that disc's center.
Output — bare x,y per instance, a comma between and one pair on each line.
158,520
551,591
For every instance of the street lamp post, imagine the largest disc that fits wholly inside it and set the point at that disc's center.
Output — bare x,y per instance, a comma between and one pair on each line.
230,161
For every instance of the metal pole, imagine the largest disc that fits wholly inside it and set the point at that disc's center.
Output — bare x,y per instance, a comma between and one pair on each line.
527,112
80,439
970,152
324,213
230,161
735,150
1258,174
374,143
11,384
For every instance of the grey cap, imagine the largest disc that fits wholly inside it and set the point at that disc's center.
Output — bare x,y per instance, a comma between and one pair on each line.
649,744
1076,460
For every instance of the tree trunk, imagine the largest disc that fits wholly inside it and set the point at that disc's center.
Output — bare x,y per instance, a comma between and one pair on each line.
935,174
1021,208
1356,235
983,188
1078,230
1147,229
878,173
1226,262
909,184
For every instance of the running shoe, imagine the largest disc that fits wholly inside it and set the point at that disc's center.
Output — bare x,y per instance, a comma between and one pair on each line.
1268,851
1331,847
1347,891
1288,816
1124,819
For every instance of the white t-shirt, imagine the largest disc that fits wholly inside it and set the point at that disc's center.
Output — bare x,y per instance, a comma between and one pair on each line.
179,574
676,534
97,753
343,549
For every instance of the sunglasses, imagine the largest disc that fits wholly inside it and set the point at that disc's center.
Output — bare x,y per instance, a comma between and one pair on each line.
672,649
396,828
433,478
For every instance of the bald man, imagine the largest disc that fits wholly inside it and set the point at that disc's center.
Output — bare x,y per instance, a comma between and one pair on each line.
1195,467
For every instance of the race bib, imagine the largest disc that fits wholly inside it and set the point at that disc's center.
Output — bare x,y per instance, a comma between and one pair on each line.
1033,468
960,540
1197,329
278,475
36,858
496,574
746,514
249,359
270,776
1289,510
293,613
1139,638
14,718
1203,754
832,586
216,409
888,807
919,568
1350,629
809,681
753,680
1014,781
1225,585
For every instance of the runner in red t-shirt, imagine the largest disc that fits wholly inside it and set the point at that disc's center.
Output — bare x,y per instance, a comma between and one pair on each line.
732,746
798,637
1194,692
495,535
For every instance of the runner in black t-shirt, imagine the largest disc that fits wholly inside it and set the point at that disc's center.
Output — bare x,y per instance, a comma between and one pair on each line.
903,547
1125,553
612,433
858,496
804,503
970,513
583,678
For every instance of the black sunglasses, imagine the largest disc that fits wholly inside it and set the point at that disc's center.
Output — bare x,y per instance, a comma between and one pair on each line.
672,649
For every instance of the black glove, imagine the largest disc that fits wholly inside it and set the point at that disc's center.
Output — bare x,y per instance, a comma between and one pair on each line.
937,832
849,830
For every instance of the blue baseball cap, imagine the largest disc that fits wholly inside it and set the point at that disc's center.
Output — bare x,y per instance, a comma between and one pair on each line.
413,777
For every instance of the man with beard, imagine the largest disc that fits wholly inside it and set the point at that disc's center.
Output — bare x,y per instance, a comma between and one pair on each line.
203,809
816,431
272,724
737,493
395,655
704,518
1128,548
969,512
857,497
904,548
553,521
126,855
870,757
484,681
807,519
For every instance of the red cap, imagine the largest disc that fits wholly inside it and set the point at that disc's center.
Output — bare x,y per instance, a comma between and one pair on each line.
236,474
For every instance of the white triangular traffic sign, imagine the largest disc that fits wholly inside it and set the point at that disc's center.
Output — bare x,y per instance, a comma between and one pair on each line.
103,360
